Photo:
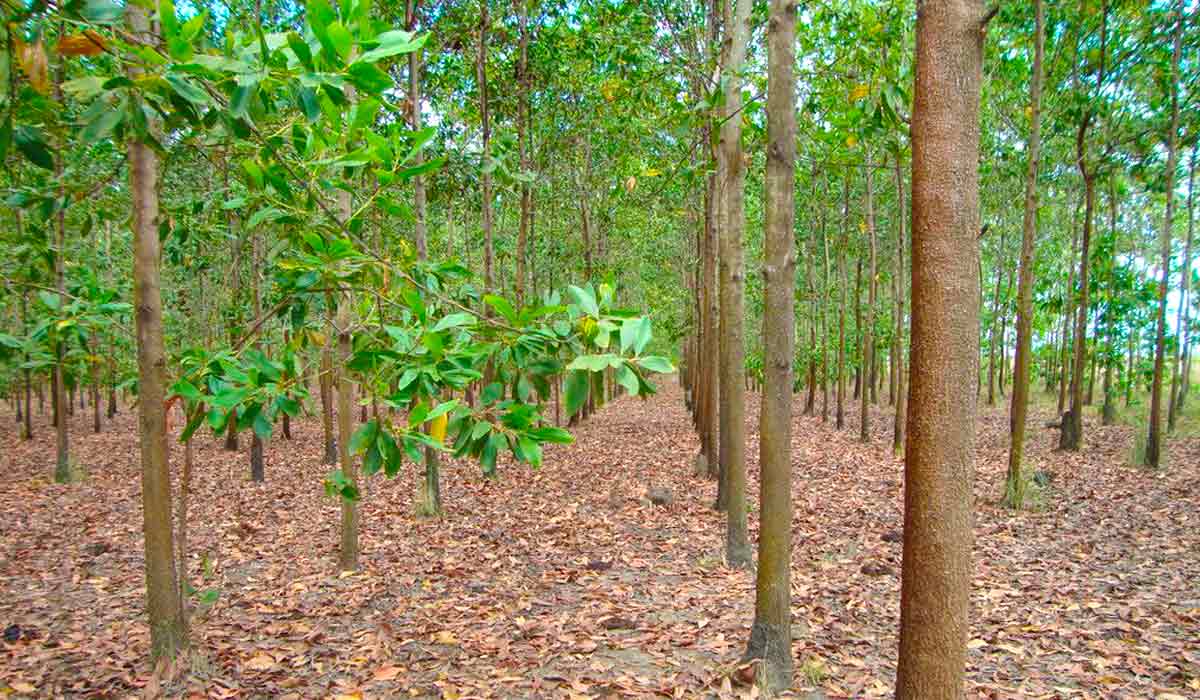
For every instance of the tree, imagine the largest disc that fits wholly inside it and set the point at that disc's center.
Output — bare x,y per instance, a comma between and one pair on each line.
1154,439
771,634
1014,487
168,628
940,450
732,343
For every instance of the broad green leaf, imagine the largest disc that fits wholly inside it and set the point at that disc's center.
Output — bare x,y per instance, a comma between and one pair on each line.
656,363
575,391
33,146
454,320
393,43
586,300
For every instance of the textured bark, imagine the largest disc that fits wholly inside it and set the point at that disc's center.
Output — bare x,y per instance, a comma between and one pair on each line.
62,462
940,451
1178,375
843,278
1071,435
1185,298
993,335
732,345
898,333
325,384
168,628
770,636
485,177
1154,429
1014,488
523,134
1064,363
868,327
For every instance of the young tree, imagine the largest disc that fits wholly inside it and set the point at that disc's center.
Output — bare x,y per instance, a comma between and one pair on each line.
732,343
771,635
940,451
1154,439
168,627
1014,487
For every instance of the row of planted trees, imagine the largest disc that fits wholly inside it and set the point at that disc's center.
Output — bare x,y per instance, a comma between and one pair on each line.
282,152
1042,288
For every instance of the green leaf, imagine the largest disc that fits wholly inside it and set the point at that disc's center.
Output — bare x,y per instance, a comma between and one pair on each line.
340,39
102,12
393,43
364,436
368,78
103,125
239,102
529,451
575,391
262,426
551,434
491,393
187,89
301,49
454,320
33,146
586,300
656,363
501,306
187,390
84,89
635,334
627,378
594,363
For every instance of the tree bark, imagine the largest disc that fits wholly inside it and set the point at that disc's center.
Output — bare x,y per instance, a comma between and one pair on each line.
523,134
940,451
898,334
868,328
168,627
732,343
770,636
844,279
1014,488
1154,437
1179,374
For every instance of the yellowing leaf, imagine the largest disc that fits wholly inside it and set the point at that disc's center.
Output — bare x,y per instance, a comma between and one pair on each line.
23,687
859,91
851,141
437,428
86,43
445,637
630,183
651,172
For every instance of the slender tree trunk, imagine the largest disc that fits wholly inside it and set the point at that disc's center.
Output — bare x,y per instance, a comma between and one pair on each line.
992,341
732,269
868,329
62,463
1071,435
1154,438
168,627
826,302
485,178
1179,373
523,134
1014,488
841,350
770,636
940,451
898,334
1064,365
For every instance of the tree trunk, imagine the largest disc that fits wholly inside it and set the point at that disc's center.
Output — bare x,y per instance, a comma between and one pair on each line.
1064,365
1154,438
168,628
898,334
991,392
1179,373
770,636
1071,435
940,451
732,267
1014,488
62,463
868,328
841,350
523,134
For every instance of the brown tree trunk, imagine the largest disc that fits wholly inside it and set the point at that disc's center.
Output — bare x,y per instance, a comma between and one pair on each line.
898,333
1179,373
732,303
523,134
940,451
1154,437
1014,489
770,636
992,336
868,328
840,420
168,627
485,177
1064,364
62,462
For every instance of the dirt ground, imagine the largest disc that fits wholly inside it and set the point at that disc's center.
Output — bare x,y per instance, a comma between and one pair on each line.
567,583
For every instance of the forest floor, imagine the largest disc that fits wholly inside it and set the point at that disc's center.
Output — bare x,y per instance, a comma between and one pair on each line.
567,583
